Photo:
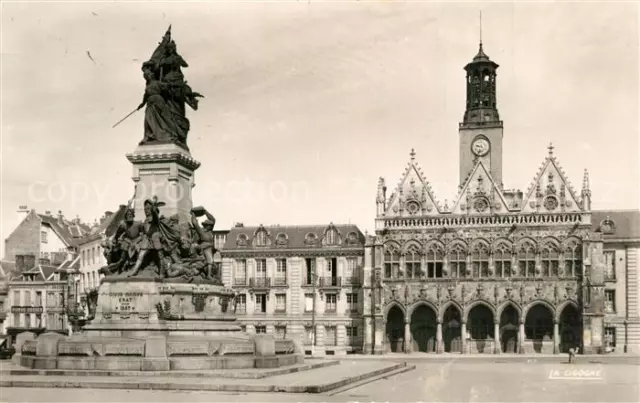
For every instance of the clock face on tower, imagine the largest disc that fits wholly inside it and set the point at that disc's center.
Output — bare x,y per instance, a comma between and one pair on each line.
480,146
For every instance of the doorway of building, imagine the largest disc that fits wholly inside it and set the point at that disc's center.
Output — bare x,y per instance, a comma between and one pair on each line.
424,323
451,332
509,321
395,330
569,328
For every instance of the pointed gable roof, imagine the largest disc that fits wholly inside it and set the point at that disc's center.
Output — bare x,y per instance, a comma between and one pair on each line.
480,194
550,190
413,186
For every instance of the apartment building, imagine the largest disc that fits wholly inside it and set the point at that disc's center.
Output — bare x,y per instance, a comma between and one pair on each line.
298,281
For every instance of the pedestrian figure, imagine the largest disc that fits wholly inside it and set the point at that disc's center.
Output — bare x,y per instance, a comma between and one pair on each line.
572,353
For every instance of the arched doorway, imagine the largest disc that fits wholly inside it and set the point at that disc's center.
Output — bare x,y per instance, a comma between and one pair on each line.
395,330
538,329
509,321
480,325
570,327
423,329
451,332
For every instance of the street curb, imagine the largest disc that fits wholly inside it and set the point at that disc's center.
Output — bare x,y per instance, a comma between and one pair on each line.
19,383
231,374
493,359
372,379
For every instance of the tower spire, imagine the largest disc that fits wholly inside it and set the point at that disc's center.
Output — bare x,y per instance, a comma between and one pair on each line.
480,29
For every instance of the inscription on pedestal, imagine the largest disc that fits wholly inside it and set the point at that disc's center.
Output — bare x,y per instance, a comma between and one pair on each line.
125,302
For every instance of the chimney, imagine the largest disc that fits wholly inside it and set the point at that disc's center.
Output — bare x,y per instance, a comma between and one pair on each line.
23,212
60,217
107,215
239,225
47,212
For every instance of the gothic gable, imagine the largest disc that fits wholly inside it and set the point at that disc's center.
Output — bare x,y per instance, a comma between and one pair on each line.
550,191
480,194
413,196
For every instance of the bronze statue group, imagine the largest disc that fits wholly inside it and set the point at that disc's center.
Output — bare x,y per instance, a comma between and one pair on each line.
158,247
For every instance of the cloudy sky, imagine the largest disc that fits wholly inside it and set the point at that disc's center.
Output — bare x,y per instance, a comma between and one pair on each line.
308,103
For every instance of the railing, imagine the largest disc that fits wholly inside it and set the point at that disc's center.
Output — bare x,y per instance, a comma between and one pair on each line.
241,309
240,281
280,280
307,282
330,282
260,282
352,280
456,221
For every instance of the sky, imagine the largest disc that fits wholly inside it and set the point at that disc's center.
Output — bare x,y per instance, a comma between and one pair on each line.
308,103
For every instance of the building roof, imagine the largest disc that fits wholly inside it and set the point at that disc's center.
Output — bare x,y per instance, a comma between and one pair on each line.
7,268
41,272
67,230
617,224
107,227
294,237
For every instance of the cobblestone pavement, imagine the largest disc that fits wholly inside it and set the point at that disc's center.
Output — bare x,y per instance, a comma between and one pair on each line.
441,381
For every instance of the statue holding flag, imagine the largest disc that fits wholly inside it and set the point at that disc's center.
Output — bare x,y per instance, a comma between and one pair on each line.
165,96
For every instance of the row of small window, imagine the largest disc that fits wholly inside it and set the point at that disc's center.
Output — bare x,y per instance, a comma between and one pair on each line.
54,321
281,266
89,280
91,256
330,336
53,298
479,269
281,303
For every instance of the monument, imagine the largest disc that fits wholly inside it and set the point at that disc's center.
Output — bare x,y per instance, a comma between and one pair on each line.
162,305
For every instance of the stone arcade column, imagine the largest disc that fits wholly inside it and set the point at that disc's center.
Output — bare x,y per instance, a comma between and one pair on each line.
556,337
463,336
496,338
521,337
407,335
439,343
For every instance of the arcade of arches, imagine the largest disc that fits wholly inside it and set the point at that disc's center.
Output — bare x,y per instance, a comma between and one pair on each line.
542,329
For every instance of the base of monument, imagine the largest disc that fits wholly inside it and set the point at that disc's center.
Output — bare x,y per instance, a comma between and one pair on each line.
158,364
157,353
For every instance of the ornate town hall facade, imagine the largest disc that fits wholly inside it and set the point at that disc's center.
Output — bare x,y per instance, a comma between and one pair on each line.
497,270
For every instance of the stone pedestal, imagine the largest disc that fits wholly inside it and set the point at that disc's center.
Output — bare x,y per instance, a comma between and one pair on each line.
140,307
165,171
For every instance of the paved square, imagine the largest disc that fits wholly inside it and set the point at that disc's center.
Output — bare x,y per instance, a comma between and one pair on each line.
449,381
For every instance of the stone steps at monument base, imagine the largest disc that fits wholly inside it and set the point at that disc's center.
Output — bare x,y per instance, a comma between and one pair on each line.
238,373
315,381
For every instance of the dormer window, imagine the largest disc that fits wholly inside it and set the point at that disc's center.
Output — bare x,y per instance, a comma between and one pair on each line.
310,238
331,237
261,238
241,241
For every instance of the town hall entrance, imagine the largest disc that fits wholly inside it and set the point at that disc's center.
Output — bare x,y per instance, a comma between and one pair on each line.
423,329
395,330
451,332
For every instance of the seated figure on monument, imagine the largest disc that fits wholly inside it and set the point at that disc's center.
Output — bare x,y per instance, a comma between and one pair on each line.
122,249
166,93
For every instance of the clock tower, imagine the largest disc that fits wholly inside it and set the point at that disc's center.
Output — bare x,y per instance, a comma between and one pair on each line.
481,127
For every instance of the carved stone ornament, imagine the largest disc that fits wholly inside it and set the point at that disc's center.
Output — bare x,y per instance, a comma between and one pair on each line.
479,290
413,207
480,204
538,289
198,301
508,290
450,290
551,203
